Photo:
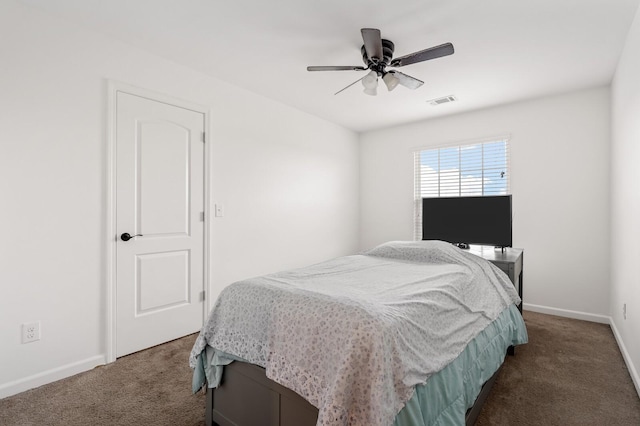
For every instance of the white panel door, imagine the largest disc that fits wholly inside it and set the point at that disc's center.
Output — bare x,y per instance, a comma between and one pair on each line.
160,197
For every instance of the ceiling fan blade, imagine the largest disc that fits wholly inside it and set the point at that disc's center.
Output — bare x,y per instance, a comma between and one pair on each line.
342,90
423,55
407,81
336,68
372,43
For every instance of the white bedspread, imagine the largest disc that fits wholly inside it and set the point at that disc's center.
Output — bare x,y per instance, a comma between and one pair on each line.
355,334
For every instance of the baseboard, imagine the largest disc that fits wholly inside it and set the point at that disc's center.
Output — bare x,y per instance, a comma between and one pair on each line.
21,385
627,359
585,316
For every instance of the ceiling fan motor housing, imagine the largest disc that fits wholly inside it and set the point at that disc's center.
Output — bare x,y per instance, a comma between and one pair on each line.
379,64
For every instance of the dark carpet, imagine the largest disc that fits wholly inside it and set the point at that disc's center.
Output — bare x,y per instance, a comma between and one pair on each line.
570,373
151,387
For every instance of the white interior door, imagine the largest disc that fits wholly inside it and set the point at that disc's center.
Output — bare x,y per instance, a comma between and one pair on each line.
160,195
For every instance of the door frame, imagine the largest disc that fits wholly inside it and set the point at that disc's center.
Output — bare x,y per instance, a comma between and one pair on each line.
110,237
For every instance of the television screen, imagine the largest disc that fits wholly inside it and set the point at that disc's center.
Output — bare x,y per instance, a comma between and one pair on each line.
471,220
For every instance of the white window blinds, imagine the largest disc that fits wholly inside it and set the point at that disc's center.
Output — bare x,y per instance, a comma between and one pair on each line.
476,169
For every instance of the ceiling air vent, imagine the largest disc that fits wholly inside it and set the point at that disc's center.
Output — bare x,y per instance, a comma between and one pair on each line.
443,100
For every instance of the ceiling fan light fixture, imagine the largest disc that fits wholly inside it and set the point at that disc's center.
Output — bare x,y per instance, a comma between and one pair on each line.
370,81
390,80
371,91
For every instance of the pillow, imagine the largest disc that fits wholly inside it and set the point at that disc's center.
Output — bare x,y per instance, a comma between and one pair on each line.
427,251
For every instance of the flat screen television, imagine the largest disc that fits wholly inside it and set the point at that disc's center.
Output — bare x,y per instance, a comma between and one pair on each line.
470,220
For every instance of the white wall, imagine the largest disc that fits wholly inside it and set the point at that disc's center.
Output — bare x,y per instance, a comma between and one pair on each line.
625,197
289,183
560,185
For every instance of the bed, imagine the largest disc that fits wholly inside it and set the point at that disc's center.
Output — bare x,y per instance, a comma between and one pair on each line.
407,333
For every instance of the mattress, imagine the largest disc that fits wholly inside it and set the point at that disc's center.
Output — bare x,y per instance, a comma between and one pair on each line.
358,336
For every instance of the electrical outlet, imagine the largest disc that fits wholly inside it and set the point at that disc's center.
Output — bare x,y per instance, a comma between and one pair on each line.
30,332
624,311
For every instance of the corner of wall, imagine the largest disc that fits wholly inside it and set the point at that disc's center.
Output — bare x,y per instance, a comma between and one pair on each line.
627,358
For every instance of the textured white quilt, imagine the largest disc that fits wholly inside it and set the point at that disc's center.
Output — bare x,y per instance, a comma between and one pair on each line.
355,334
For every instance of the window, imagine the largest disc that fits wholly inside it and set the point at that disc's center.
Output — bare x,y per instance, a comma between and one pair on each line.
475,169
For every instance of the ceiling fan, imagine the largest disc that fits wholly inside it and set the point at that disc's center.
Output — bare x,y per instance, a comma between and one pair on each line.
377,55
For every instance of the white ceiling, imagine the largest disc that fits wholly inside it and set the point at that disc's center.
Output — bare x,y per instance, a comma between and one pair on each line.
506,50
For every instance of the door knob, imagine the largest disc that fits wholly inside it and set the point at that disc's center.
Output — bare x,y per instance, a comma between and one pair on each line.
126,236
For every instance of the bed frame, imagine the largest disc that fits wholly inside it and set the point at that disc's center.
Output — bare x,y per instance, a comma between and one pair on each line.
246,397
